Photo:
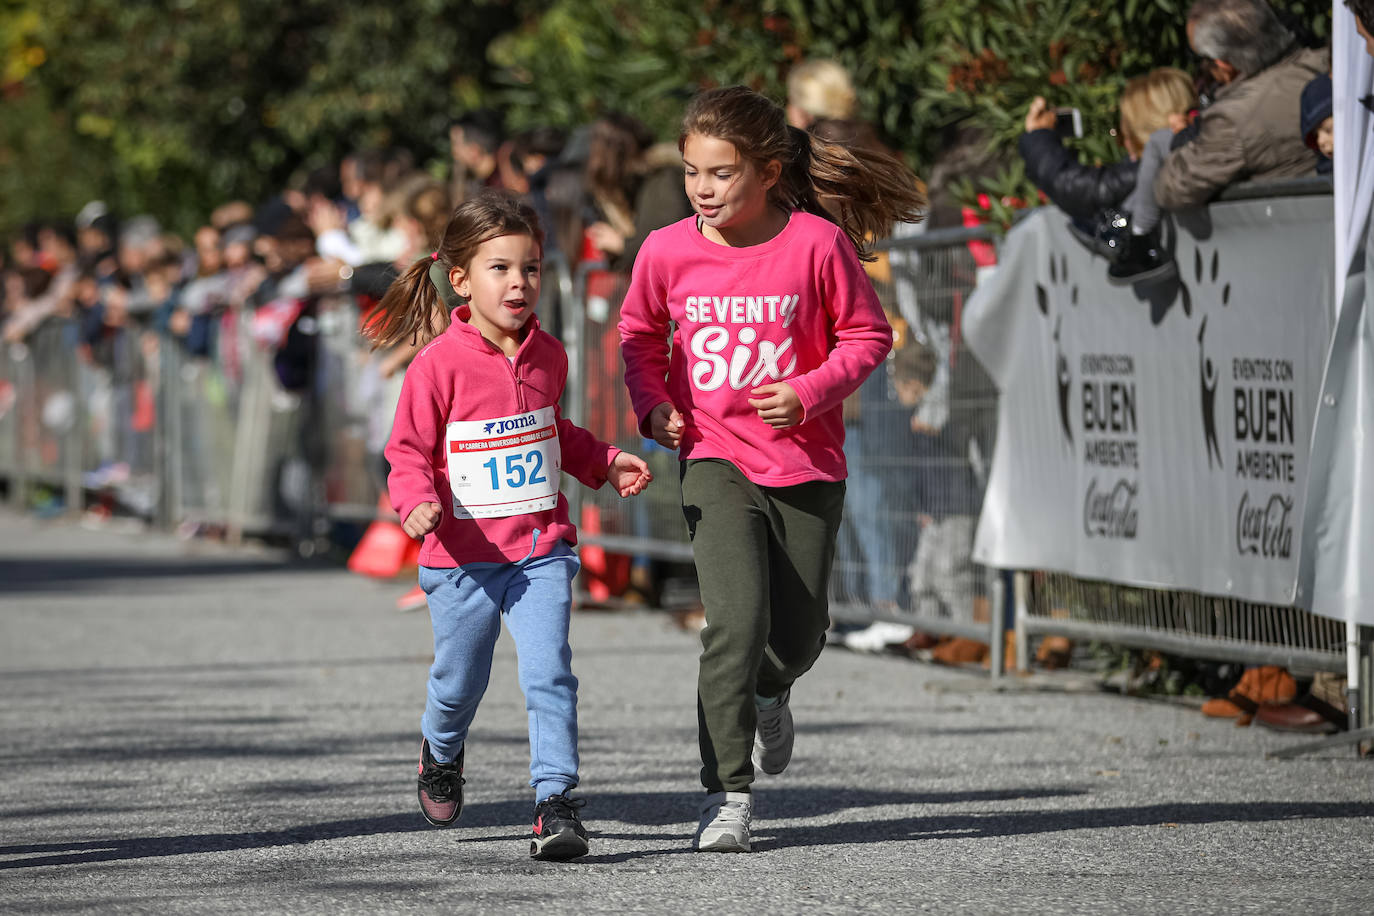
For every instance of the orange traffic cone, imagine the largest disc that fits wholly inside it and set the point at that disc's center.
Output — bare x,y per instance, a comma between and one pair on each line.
604,574
384,551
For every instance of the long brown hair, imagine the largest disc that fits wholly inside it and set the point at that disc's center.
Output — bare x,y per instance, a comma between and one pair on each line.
862,189
413,308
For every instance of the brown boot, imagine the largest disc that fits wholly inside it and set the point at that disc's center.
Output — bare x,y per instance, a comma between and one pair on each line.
959,651
1054,652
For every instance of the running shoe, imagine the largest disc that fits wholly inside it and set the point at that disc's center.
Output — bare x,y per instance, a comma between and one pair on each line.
558,831
440,787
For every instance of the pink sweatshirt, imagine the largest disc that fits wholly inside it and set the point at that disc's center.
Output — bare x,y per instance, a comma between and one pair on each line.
797,308
461,376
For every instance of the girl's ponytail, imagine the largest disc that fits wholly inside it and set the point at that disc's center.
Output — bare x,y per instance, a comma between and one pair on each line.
410,312
860,186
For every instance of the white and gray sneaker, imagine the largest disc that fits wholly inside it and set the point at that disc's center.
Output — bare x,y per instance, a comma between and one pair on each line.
773,737
724,824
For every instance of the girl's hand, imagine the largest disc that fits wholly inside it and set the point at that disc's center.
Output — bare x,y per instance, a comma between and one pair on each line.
629,474
423,519
665,425
777,404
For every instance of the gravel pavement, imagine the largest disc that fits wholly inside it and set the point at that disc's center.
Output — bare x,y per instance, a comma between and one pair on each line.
193,728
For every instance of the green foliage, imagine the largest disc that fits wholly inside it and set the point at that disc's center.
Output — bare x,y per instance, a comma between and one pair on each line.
989,58
174,106
647,57
189,103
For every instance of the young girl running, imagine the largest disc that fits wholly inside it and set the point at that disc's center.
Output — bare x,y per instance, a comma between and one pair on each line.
475,455
773,322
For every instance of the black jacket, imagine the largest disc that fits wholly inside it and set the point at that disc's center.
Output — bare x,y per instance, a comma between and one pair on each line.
1079,190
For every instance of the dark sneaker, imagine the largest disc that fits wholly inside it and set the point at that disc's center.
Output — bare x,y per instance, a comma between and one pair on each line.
1142,259
558,831
440,788
1107,236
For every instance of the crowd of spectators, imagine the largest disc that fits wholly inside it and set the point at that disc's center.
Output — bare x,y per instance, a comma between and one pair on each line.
1257,108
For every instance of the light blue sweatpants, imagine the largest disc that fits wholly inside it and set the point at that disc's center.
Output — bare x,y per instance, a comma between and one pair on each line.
465,607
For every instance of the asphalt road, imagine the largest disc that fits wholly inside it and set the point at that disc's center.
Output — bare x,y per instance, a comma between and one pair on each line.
189,728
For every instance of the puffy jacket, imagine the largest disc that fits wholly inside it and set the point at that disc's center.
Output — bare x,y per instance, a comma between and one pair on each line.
1077,189
1249,133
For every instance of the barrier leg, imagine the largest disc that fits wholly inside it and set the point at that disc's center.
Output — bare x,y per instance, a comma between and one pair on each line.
997,628
1352,675
1021,590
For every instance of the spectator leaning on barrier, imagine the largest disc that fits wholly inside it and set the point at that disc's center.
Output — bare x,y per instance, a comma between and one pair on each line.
1113,205
1247,132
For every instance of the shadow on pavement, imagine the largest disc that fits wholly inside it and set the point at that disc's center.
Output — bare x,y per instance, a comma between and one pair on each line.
772,833
118,849
76,573
1022,823
135,672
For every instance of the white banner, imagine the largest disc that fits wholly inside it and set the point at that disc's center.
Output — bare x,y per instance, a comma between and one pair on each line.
1338,529
1157,435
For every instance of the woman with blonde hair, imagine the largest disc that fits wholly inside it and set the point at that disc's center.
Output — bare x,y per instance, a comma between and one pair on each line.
819,90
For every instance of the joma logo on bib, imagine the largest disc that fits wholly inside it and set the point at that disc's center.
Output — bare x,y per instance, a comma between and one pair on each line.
497,427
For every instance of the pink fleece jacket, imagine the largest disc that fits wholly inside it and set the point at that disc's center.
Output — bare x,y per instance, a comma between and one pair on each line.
797,308
461,376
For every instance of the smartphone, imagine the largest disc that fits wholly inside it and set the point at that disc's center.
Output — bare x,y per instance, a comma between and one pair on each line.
1068,122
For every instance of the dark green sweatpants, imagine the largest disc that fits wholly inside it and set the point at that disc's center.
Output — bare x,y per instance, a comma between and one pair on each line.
763,557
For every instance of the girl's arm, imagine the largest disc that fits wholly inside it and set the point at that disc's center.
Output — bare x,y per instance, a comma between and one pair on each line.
862,336
415,435
644,321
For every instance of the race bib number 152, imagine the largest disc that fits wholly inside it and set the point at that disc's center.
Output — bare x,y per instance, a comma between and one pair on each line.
506,466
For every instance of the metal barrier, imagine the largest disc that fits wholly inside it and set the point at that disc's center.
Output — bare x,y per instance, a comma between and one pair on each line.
218,440
41,414
1177,622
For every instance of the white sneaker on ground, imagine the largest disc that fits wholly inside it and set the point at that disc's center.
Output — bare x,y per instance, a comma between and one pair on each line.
877,636
724,824
773,737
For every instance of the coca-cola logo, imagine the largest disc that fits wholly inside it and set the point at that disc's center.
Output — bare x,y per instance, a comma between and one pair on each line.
1265,529
1110,513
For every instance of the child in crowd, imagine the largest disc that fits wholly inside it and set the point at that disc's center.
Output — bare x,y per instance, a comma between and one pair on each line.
946,499
475,454
773,323
1318,125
